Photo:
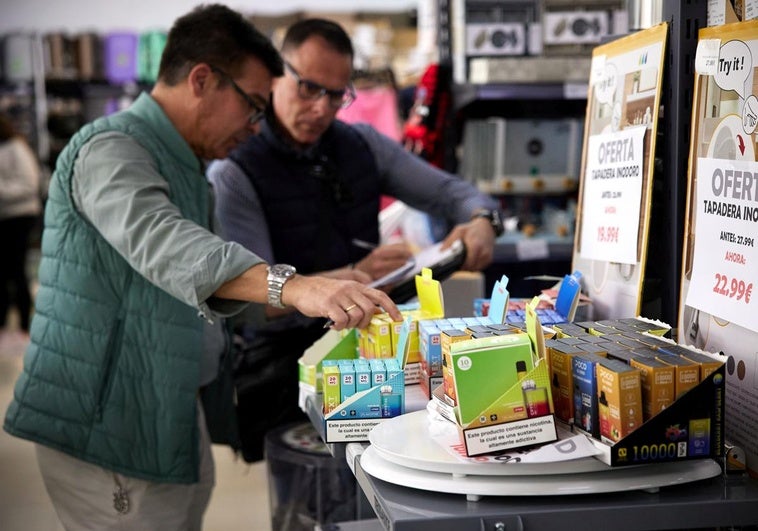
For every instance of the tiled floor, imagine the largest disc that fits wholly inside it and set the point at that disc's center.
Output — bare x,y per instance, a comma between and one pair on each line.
240,500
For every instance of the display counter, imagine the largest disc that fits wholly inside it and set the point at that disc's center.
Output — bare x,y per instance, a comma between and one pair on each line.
717,502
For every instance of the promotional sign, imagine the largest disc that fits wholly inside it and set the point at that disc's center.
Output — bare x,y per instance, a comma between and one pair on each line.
612,194
613,213
725,258
720,263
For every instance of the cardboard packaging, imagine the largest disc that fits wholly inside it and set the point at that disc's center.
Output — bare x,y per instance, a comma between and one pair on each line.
657,385
357,393
676,426
502,388
619,399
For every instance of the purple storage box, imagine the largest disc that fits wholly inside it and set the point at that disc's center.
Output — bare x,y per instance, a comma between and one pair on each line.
120,57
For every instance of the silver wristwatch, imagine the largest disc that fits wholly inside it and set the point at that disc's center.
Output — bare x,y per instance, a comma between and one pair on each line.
278,274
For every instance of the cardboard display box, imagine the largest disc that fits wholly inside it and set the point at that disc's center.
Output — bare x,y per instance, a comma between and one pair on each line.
677,425
333,366
501,397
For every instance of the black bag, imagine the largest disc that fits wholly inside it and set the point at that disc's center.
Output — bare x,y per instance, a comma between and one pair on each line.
219,403
266,382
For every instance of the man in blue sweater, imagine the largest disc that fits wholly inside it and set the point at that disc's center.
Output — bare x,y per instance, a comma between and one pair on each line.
310,177
133,286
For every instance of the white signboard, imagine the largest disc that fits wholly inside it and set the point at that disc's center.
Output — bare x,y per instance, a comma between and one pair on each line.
725,261
611,196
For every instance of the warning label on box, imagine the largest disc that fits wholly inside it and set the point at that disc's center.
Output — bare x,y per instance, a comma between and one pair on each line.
514,434
349,430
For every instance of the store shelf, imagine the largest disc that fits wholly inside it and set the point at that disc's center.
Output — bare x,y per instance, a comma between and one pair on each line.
465,94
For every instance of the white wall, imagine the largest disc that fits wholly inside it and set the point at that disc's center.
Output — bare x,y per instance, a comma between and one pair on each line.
74,16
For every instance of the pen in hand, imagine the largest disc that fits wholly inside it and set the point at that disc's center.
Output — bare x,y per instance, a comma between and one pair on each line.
363,244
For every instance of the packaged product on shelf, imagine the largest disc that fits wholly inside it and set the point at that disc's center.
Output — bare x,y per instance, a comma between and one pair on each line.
681,392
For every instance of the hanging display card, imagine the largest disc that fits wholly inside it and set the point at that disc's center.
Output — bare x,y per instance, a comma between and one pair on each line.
617,165
718,307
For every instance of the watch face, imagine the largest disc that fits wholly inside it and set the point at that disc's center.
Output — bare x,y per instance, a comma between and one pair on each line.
282,270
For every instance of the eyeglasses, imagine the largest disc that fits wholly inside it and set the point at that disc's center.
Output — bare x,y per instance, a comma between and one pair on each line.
258,112
308,90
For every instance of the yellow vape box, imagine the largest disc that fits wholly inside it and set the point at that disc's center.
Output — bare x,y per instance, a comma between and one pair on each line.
707,364
379,338
448,337
657,384
687,373
561,377
619,391
331,385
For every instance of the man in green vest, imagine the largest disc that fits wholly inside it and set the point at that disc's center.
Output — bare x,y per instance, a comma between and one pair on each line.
133,286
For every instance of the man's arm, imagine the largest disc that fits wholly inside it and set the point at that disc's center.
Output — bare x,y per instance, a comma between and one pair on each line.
239,209
118,189
424,187
417,183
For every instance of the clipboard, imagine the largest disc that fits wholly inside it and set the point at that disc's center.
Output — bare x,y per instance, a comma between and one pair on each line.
443,263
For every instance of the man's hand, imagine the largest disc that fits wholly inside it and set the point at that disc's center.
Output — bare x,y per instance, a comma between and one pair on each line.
349,304
384,259
478,238
347,273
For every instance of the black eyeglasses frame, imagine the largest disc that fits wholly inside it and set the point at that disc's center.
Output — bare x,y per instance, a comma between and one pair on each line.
310,90
258,112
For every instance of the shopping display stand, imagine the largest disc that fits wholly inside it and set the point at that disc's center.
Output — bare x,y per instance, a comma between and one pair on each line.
717,502
403,451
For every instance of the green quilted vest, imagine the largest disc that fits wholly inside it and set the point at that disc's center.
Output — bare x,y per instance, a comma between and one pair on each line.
111,374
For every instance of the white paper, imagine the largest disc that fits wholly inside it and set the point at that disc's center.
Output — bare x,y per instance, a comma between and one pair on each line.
725,261
568,447
428,257
532,249
707,57
611,196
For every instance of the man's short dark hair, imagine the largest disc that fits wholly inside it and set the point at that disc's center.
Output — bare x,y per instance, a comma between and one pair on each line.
216,35
328,30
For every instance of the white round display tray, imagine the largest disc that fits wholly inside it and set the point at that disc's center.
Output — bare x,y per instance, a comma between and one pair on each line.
403,451
475,486
408,440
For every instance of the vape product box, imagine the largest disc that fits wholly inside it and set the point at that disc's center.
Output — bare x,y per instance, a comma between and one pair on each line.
332,394
447,338
707,364
378,372
483,369
352,419
657,385
686,373
379,338
347,379
619,390
559,356
362,375
503,387
655,327
585,392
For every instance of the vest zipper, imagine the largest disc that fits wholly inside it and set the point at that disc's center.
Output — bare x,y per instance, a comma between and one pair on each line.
113,344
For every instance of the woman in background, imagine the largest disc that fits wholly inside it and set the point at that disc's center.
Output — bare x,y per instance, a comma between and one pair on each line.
20,207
